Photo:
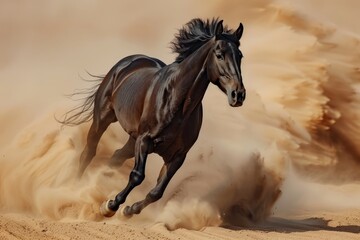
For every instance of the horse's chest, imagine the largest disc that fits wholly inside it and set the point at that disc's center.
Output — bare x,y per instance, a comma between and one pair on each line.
180,134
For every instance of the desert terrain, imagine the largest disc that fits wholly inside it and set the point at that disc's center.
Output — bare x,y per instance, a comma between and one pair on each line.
286,165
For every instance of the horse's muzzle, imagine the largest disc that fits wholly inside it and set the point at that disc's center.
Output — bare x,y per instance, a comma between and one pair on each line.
236,98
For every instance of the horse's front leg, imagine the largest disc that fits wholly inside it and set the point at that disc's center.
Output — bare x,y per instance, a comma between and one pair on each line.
166,173
142,146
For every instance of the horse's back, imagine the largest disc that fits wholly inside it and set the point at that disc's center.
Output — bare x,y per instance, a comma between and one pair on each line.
133,77
135,62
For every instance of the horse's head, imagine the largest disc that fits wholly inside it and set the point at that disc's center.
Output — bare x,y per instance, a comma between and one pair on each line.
223,65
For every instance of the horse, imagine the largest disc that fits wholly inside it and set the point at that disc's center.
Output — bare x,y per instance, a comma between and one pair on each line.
159,105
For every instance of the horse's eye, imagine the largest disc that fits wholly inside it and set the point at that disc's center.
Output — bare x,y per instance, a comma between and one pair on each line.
219,56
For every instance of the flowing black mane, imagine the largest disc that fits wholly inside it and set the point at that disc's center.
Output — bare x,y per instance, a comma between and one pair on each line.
193,35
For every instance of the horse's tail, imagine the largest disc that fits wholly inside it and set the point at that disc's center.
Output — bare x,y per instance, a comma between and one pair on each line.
83,112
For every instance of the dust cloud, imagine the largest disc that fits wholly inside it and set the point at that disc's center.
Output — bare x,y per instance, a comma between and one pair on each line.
294,144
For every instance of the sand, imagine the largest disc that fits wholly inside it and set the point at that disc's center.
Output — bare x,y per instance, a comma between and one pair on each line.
315,225
284,166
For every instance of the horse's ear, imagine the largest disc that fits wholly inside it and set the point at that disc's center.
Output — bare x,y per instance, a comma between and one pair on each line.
238,33
219,28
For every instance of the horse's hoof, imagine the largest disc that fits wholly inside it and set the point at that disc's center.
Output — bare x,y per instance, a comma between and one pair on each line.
105,210
125,212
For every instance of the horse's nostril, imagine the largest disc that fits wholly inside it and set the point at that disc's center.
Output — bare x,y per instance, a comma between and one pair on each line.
233,94
242,95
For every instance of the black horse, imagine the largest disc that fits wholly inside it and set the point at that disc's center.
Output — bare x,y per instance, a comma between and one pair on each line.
159,105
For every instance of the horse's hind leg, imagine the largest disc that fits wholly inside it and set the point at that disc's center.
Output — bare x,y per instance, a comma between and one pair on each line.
97,129
124,153
166,173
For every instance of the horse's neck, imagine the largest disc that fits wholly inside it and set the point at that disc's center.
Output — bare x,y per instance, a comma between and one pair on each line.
182,88
194,81
196,93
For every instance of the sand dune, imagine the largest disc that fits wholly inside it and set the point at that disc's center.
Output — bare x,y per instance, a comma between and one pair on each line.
290,171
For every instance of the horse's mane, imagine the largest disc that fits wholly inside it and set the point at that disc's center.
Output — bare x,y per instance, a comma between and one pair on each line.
193,35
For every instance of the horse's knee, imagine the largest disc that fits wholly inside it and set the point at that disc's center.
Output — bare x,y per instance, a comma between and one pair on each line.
136,177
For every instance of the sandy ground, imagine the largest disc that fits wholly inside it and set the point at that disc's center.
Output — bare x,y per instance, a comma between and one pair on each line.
284,166
322,225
